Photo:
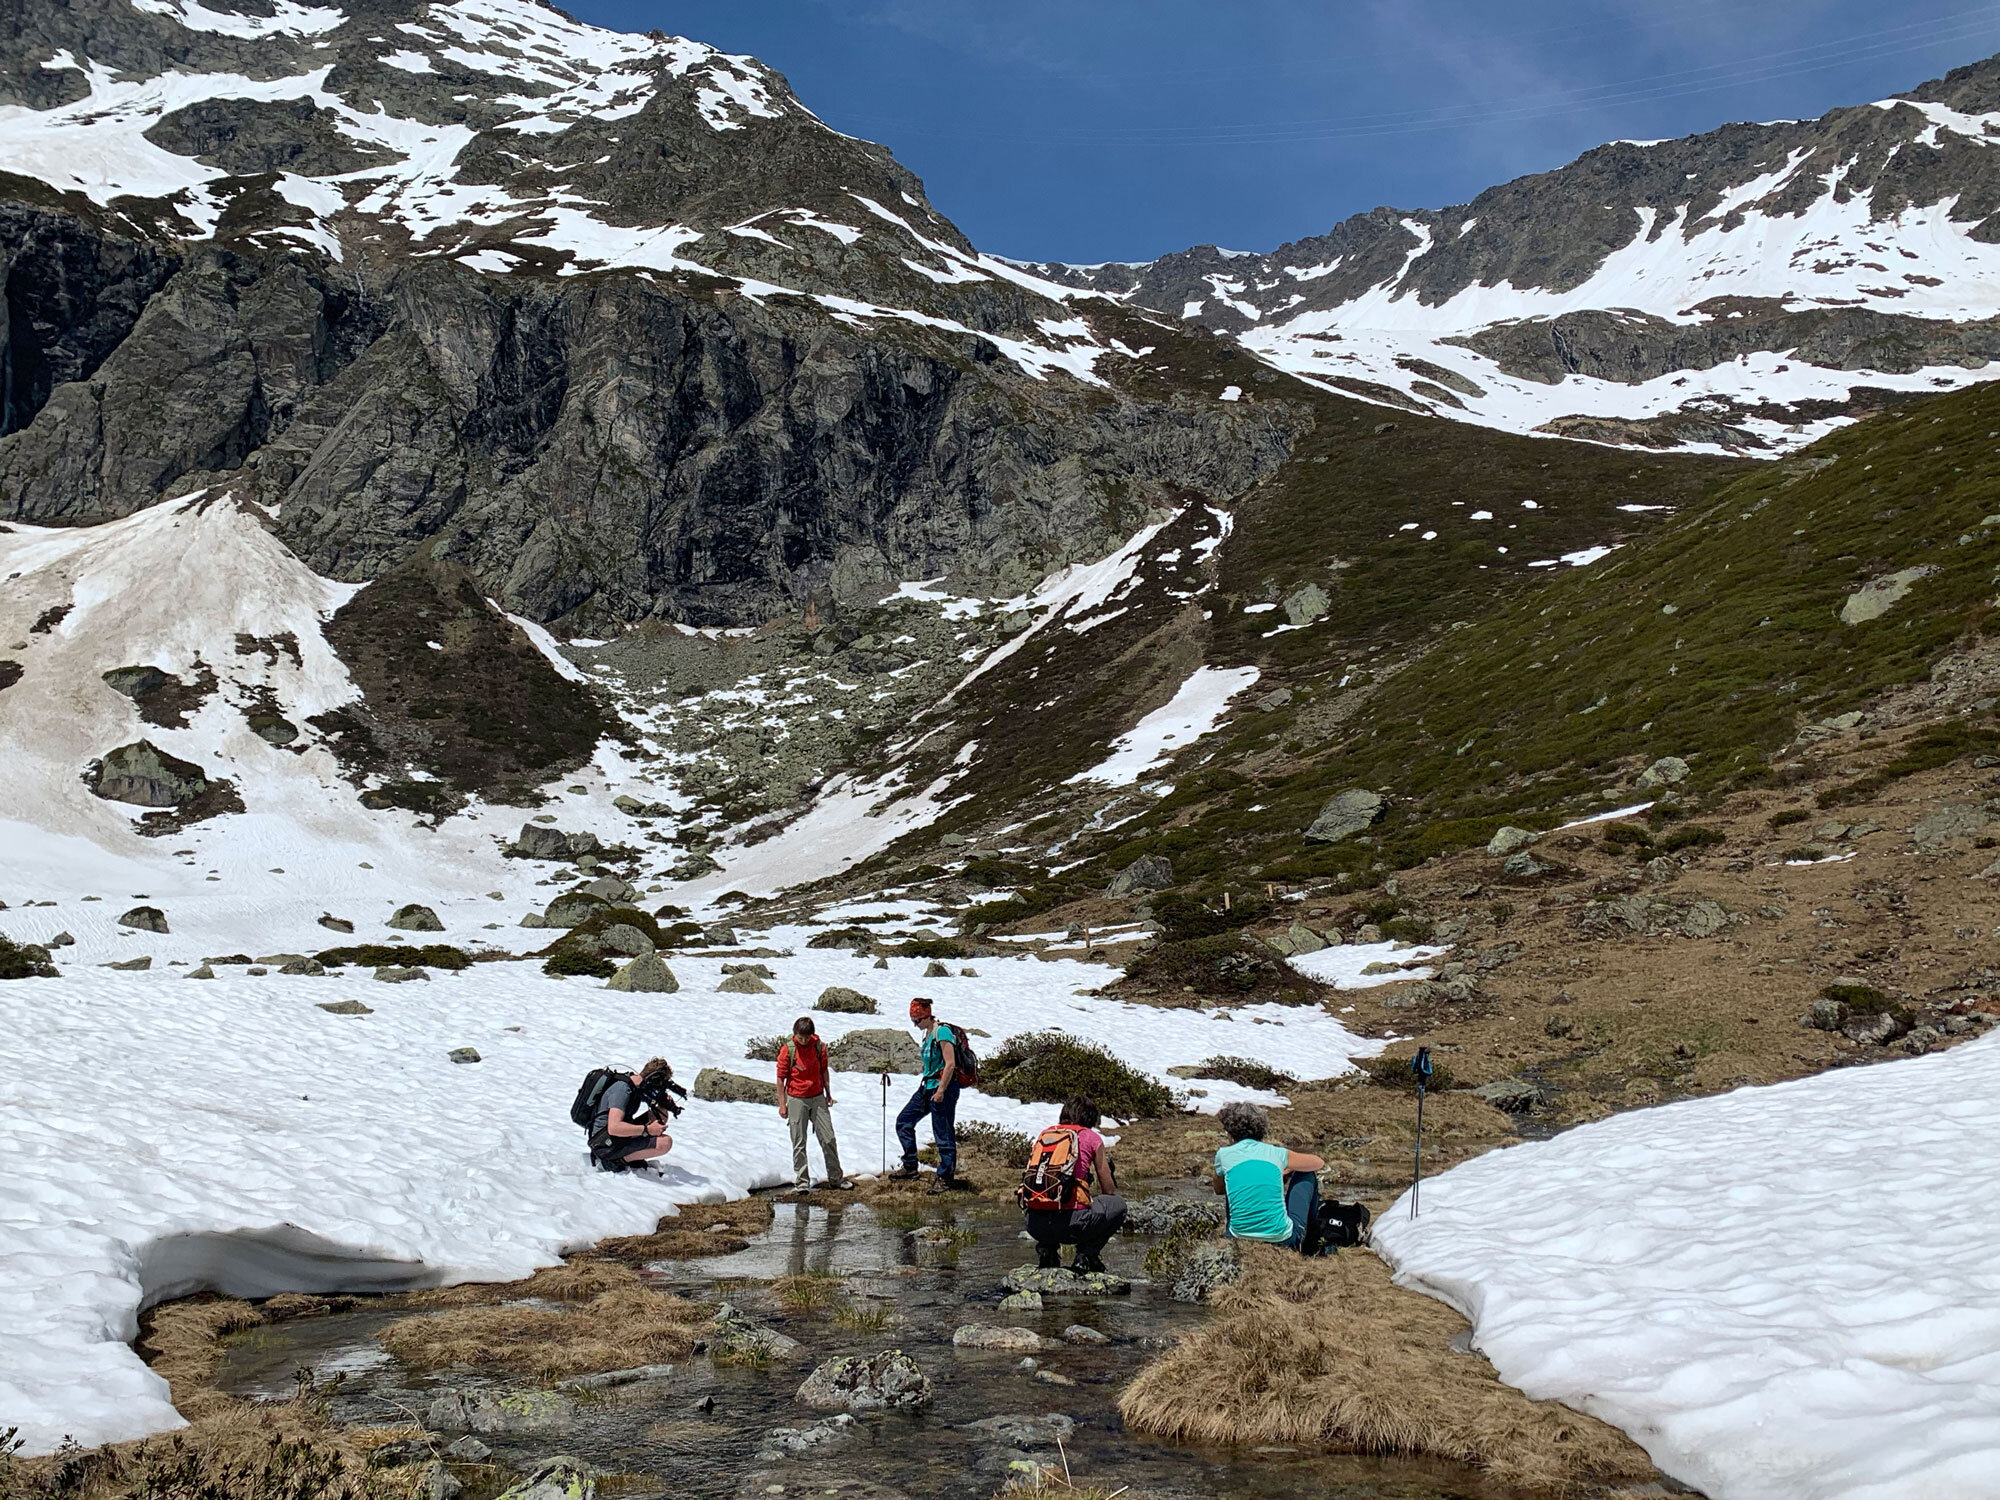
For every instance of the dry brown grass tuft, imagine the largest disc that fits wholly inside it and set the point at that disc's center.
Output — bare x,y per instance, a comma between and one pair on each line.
623,1323
182,1341
698,1230
231,1449
1331,1351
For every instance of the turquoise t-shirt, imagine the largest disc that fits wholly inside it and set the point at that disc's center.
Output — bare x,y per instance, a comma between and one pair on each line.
931,1053
1253,1174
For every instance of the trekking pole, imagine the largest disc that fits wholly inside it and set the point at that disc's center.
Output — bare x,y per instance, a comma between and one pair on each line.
885,1123
1421,1066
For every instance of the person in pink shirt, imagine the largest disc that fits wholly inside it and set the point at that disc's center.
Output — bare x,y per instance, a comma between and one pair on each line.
1094,1212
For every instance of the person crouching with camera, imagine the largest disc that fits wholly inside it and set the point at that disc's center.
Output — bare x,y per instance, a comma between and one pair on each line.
623,1134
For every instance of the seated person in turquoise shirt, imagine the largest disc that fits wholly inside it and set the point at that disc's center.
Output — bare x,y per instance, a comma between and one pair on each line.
1253,1175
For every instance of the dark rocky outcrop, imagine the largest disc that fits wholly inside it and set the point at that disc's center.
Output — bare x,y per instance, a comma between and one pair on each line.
146,776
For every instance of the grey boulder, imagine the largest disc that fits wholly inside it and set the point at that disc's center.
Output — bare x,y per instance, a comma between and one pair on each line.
415,918
839,1000
877,1049
886,1381
1346,815
1149,872
145,918
647,974
1507,840
719,1087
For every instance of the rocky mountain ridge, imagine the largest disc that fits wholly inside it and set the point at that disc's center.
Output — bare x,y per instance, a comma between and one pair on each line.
612,322
1738,290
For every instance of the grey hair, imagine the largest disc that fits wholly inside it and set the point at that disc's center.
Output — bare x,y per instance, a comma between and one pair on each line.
1242,1122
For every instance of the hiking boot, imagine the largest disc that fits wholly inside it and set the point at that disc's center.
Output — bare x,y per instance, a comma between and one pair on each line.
1048,1258
907,1172
802,1189
941,1184
830,1186
1087,1264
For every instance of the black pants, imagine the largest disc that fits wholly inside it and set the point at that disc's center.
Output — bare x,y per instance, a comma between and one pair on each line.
1089,1229
609,1152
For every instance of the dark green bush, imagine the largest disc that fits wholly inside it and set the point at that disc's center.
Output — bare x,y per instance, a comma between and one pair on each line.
991,872
1788,817
930,948
1627,834
842,937
25,961
1049,1067
1183,916
1219,966
1248,1072
1376,910
1694,836
382,955
1394,1073
1008,1146
1407,929
1865,1000
765,1049
574,961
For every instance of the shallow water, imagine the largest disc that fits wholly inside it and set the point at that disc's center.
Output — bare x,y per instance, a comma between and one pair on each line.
655,1434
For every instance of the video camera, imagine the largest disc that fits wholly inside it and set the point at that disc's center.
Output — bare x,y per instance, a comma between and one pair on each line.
658,1092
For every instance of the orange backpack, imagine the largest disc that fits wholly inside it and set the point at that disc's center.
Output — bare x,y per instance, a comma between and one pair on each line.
1051,1181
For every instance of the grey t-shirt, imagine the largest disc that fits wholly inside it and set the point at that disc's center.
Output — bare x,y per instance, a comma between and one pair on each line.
621,1096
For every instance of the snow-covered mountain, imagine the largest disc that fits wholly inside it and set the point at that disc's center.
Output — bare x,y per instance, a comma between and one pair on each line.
1737,290
612,321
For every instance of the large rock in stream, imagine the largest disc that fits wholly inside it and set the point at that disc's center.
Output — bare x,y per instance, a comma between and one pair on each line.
863,1382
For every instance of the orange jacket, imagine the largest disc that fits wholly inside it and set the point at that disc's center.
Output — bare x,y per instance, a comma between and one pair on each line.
802,1071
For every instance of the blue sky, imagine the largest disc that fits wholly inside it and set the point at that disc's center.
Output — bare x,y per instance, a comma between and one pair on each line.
1120,129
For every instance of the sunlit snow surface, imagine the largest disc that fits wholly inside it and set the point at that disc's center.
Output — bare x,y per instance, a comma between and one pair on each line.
1193,711
1783,1293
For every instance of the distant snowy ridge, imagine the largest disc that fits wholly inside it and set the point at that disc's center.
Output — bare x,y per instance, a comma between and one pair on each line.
499,133
1725,292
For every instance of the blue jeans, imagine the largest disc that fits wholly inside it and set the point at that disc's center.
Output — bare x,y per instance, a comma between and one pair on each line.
944,1114
1302,1207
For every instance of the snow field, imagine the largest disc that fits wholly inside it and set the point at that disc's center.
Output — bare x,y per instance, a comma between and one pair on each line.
1782,1293
140,1106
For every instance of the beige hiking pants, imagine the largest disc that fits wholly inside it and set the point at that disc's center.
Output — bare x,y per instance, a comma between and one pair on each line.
816,1110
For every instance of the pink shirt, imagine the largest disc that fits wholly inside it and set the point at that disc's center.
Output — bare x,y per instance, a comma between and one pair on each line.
1088,1144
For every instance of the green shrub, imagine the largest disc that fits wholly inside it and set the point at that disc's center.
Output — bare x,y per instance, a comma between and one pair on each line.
382,955
1049,1067
25,961
1008,1146
1219,966
1788,817
1407,929
1864,1000
1627,834
1694,836
1375,910
1938,746
574,961
842,937
764,1048
930,948
1395,1073
1183,916
1248,1072
991,872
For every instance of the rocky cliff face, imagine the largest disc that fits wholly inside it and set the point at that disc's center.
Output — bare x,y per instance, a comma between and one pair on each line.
1734,289
610,321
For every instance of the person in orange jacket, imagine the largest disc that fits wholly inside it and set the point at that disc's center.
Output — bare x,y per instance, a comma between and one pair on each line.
805,1096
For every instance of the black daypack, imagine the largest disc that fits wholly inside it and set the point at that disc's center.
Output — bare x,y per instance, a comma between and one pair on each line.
966,1060
590,1097
1342,1224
